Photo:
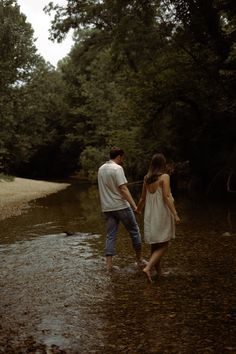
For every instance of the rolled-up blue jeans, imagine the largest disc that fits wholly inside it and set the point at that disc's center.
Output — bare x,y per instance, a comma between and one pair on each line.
127,217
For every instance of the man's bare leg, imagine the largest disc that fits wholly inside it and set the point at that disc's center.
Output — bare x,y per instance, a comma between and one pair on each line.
109,263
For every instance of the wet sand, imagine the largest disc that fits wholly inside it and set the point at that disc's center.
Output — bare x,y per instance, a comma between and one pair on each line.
15,195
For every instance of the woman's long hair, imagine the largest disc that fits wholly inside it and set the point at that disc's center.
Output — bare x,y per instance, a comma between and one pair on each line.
156,169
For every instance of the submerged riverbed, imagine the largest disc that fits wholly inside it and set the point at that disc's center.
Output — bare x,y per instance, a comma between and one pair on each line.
56,296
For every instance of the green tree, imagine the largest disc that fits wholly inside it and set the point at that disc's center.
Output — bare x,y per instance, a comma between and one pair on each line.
40,109
205,104
18,56
153,75
31,100
101,66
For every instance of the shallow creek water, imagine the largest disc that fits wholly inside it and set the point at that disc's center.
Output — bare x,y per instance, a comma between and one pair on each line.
56,297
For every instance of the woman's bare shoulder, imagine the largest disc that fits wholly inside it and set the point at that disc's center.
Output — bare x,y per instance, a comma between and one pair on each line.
165,176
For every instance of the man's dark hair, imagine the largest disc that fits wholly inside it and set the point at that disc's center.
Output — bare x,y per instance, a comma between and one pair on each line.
115,151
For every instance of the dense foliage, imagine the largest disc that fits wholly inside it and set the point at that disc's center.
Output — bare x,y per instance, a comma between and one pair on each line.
145,75
31,98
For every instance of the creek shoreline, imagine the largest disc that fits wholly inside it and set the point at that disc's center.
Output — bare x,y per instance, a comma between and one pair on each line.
16,195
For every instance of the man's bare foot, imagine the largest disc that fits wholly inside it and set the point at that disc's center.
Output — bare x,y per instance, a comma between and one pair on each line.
109,268
148,274
141,263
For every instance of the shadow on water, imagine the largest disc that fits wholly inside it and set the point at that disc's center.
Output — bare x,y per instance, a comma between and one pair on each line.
56,296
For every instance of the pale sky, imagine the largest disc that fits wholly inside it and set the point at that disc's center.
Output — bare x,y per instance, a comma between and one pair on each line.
40,22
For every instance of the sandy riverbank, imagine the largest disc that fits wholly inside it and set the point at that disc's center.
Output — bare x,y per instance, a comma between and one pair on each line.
15,195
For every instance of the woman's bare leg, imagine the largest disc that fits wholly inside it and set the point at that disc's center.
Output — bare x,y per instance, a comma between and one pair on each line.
155,259
157,266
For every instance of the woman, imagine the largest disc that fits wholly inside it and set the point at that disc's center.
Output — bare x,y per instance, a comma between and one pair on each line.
160,214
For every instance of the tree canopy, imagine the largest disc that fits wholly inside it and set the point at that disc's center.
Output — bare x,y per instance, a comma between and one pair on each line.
145,75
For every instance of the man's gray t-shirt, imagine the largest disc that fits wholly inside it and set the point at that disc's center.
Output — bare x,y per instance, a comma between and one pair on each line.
110,177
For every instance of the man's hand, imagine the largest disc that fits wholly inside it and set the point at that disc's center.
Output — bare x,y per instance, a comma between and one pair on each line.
125,193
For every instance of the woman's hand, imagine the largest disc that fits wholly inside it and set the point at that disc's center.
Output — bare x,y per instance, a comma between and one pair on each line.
137,211
177,219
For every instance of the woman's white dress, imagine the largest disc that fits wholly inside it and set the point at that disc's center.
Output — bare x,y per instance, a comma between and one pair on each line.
159,224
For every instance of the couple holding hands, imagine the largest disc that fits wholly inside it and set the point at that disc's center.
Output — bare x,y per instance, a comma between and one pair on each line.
117,205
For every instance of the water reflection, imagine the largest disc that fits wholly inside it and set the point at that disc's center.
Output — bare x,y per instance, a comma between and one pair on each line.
55,290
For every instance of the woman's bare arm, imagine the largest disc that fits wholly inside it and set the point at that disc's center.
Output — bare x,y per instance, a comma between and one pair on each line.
142,199
168,199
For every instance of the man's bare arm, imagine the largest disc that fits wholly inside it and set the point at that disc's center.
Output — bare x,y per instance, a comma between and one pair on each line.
124,191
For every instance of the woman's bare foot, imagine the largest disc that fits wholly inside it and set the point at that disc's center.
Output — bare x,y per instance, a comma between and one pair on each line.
148,274
158,269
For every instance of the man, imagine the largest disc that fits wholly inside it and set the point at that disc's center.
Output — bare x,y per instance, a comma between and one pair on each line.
117,205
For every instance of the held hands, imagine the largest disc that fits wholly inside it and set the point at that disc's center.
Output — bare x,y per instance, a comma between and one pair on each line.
137,211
